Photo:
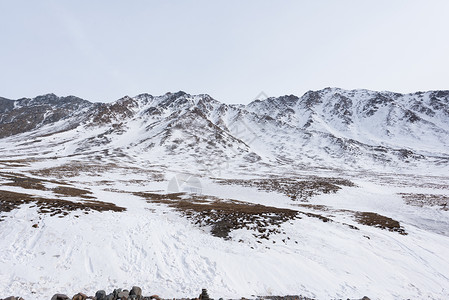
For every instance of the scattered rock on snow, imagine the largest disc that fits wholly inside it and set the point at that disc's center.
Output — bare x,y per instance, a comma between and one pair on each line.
100,295
60,297
79,296
204,295
136,291
136,294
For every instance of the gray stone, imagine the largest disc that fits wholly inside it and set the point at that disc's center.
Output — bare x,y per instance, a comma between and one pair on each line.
136,291
123,295
204,295
100,295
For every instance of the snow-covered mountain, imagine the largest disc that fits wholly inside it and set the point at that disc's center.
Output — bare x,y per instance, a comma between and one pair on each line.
334,194
331,128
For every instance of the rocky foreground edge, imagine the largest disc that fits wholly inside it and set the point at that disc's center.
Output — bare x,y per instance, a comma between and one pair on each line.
135,293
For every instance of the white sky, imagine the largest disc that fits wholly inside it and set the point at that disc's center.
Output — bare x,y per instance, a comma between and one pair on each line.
232,50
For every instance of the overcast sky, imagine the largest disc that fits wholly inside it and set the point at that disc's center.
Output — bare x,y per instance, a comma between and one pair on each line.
232,50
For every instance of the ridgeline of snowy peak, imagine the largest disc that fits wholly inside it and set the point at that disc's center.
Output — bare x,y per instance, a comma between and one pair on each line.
331,128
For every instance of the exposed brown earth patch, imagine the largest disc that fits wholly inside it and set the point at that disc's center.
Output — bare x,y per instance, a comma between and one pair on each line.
10,200
71,170
364,218
15,163
296,189
226,215
73,192
25,182
54,207
77,168
422,200
376,220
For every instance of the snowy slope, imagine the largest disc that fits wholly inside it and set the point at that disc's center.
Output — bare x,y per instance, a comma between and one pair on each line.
335,194
329,128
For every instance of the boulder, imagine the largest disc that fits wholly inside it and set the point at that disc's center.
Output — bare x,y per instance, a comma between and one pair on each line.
60,297
204,295
100,295
79,296
137,291
123,295
110,297
116,292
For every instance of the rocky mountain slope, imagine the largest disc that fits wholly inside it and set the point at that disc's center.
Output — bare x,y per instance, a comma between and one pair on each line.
330,128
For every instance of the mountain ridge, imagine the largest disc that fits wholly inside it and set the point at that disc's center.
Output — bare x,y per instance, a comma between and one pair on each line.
329,127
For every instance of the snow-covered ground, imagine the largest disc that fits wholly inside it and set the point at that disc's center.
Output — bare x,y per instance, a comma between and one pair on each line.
352,187
156,247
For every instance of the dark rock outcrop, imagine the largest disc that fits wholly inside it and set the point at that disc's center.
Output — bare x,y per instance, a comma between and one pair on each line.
60,297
